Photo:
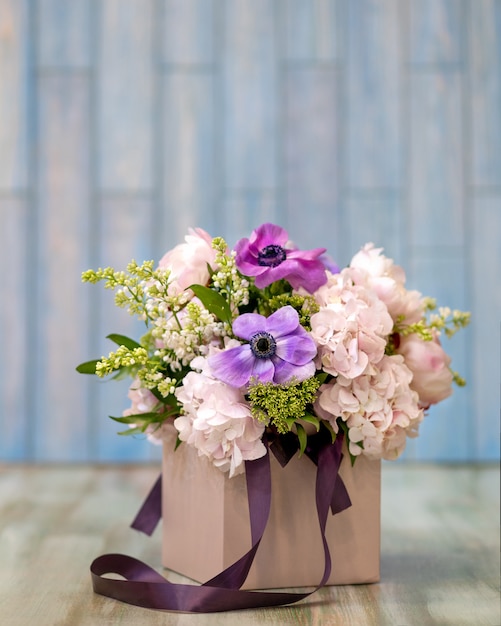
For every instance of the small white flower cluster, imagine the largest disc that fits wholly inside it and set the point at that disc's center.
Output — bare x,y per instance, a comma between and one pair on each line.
183,336
228,280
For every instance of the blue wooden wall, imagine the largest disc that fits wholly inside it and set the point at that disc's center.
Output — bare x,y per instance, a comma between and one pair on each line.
123,122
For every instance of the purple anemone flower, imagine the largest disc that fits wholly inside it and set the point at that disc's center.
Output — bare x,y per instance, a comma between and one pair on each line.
265,256
279,350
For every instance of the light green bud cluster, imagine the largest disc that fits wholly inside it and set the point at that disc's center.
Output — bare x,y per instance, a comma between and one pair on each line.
122,357
444,319
282,405
306,306
134,287
228,280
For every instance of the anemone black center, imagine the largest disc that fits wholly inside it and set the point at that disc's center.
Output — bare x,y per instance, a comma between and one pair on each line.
271,256
263,345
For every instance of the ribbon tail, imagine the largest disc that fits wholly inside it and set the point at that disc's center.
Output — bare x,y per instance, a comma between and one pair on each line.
150,513
258,477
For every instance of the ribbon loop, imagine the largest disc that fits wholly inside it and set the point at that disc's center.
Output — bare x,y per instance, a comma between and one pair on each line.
145,587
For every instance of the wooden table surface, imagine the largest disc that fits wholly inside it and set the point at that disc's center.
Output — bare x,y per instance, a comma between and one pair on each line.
439,558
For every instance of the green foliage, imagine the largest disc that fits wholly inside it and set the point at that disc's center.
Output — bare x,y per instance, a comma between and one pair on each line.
283,405
213,301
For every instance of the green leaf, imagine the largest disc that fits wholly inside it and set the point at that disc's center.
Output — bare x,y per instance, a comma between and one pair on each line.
213,302
122,340
131,431
303,438
142,418
89,367
311,419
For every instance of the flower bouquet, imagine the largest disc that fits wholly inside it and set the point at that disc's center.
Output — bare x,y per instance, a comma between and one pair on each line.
266,350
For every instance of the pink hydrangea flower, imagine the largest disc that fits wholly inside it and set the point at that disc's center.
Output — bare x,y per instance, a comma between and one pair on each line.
188,261
380,408
217,421
267,257
351,328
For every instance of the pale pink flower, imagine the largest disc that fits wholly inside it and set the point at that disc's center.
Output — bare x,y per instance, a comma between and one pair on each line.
379,408
188,261
432,378
142,400
381,274
217,421
351,328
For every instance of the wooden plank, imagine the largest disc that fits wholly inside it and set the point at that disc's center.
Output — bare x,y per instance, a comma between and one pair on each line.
311,168
374,141
436,31
14,282
63,205
14,95
245,211
485,88
125,95
439,551
249,95
436,177
485,253
313,30
64,34
446,433
125,234
189,172
188,32
376,218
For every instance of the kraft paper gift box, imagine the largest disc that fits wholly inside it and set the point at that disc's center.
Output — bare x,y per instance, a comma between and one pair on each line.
206,523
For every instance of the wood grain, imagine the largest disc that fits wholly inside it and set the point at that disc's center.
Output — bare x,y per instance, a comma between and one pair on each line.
312,30
64,34
439,559
484,20
311,126
374,140
125,95
436,32
63,199
436,185
123,122
14,94
15,443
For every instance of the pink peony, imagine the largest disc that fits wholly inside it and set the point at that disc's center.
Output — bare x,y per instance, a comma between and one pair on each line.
429,364
188,261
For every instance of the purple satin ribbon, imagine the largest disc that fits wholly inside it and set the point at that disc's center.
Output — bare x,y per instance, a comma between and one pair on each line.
144,587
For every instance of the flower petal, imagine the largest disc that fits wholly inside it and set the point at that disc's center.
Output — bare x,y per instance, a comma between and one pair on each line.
286,372
269,234
248,324
296,349
234,366
263,370
283,322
